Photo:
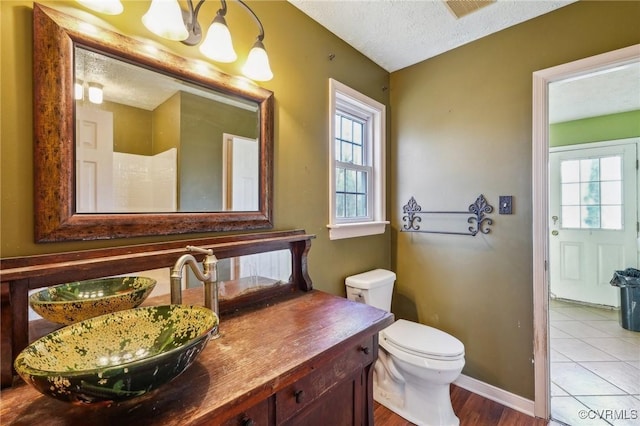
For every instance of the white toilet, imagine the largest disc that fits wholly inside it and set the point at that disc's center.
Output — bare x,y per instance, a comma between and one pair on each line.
416,363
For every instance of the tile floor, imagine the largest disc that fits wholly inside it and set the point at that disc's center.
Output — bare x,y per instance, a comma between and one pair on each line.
595,367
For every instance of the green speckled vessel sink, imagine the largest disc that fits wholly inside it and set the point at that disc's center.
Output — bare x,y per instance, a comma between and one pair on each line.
117,356
77,301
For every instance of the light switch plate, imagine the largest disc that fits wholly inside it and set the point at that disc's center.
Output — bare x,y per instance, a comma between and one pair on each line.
506,204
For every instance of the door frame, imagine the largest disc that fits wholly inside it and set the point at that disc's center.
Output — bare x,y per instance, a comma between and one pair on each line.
540,195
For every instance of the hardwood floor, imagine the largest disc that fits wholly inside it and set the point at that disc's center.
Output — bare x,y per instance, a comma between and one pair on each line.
471,409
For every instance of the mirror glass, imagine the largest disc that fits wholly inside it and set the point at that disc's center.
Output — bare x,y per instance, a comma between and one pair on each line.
185,148
241,275
237,276
149,142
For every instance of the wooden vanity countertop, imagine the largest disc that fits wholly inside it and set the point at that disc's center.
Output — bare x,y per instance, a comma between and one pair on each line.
259,352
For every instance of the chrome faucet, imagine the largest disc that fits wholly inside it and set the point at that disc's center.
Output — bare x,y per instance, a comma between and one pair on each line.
208,276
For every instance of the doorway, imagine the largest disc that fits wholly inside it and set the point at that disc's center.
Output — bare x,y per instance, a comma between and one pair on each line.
541,222
594,362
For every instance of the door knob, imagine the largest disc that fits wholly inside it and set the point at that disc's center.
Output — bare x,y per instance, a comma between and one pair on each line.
554,233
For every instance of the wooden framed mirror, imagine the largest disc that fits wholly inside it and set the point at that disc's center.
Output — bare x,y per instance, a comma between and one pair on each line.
66,51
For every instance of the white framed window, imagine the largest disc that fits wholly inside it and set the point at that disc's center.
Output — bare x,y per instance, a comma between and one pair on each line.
356,163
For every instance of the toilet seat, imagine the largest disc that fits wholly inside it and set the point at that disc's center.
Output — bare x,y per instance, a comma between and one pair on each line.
422,341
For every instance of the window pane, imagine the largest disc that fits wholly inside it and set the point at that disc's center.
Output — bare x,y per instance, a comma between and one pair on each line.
357,155
590,193
571,194
571,217
346,129
612,217
589,170
570,171
590,216
611,168
338,150
339,180
347,152
350,205
611,192
340,205
337,132
357,133
361,184
350,181
362,205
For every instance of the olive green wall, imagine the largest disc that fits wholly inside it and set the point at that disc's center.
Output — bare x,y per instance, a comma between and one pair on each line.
166,125
203,123
299,51
462,126
606,127
132,128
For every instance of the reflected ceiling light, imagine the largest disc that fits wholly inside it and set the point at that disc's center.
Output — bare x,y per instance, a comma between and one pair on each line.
78,90
96,94
109,7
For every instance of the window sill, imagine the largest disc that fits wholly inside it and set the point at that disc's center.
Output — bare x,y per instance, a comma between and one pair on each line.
338,231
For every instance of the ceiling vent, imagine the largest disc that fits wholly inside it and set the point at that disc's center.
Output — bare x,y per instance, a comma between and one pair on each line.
462,8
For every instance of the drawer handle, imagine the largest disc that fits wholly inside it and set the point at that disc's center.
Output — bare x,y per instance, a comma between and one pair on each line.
248,421
299,396
365,349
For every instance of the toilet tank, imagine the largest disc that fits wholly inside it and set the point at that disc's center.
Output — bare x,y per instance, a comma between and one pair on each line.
373,288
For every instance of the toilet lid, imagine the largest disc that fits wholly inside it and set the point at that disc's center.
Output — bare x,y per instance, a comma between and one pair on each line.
423,340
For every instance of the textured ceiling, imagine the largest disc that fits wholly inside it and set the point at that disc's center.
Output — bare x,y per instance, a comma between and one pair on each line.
605,92
398,33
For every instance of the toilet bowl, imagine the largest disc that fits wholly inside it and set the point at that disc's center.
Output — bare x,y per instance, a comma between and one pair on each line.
416,363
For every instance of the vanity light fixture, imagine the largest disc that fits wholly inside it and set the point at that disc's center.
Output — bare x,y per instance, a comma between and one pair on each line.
165,18
217,44
96,95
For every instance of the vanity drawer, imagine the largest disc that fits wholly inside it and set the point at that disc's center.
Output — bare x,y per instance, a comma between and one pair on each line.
258,415
310,388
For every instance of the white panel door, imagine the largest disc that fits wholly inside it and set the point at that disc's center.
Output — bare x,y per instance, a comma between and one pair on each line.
94,159
241,158
592,220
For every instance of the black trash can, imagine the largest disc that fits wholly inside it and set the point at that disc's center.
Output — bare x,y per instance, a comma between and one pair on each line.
629,283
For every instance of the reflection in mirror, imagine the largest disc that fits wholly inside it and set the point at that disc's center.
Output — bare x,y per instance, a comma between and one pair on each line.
237,276
148,142
241,275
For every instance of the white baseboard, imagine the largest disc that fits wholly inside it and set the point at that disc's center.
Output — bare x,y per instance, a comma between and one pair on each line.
498,395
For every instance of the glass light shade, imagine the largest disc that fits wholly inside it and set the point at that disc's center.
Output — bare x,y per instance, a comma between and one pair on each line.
78,90
257,66
217,44
108,7
164,18
96,94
